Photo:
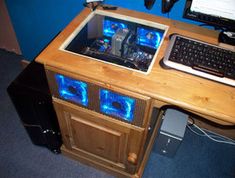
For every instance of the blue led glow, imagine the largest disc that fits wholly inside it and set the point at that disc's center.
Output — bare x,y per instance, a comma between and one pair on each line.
117,105
149,38
72,90
110,27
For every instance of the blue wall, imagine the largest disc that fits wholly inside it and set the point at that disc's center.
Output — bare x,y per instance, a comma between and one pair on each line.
36,22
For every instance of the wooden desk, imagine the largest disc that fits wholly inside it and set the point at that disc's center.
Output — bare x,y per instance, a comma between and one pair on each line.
169,86
209,99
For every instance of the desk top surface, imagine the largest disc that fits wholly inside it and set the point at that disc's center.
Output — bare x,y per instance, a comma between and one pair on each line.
170,86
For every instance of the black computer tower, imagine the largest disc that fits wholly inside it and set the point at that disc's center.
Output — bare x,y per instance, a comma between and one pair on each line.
31,97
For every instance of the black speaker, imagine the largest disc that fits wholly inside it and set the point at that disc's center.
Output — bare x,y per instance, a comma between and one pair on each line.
31,97
167,5
149,4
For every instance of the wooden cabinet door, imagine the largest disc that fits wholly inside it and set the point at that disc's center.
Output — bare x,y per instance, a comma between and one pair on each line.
103,141
97,136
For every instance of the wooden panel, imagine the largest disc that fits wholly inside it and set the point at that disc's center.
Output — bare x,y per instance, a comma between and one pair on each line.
148,150
64,125
91,162
97,139
160,104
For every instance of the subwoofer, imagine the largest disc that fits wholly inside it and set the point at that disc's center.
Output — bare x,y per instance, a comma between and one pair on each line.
31,97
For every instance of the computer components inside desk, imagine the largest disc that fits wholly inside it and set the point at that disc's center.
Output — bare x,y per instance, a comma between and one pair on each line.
200,58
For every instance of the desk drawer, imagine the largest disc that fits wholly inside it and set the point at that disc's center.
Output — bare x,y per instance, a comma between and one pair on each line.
114,102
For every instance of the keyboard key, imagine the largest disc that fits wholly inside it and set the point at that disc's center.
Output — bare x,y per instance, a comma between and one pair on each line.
205,57
201,58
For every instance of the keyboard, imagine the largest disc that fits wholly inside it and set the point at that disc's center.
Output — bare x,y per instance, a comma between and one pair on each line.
200,58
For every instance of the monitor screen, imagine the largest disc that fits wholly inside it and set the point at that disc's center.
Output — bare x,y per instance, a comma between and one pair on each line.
214,12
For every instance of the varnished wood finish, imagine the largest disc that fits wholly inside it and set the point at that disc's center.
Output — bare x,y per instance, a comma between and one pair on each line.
170,86
132,158
150,145
94,163
111,168
99,137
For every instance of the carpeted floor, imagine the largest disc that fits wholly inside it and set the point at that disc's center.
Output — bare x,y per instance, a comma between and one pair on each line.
197,157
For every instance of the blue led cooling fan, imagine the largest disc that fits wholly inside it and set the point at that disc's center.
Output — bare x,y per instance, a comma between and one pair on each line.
110,27
117,105
72,90
149,38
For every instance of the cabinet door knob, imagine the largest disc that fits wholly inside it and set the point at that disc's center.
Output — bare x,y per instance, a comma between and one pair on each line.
132,158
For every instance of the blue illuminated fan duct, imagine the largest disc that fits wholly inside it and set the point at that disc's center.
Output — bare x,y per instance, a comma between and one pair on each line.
72,90
149,38
110,27
117,105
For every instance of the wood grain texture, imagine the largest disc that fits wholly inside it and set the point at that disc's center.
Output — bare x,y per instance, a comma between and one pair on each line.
192,93
94,163
98,137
